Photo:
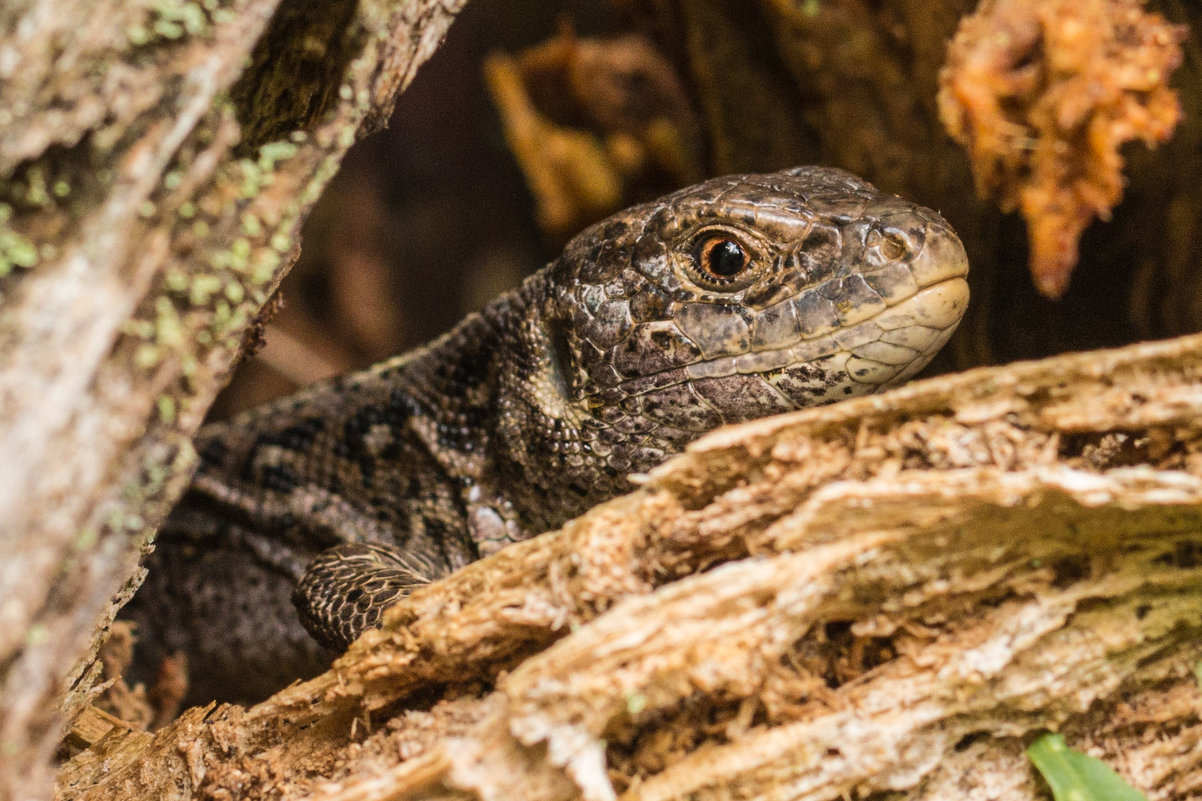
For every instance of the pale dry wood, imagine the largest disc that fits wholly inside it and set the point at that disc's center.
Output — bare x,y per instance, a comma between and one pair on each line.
156,160
886,597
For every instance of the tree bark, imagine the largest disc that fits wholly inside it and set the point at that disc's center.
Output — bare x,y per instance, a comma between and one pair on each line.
156,160
885,598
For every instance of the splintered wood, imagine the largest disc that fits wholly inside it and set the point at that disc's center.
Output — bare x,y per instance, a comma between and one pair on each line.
884,597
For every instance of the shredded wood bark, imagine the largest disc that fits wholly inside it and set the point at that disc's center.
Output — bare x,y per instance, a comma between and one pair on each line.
886,596
595,125
1043,95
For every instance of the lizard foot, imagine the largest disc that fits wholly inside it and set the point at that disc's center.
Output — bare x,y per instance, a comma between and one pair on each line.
346,589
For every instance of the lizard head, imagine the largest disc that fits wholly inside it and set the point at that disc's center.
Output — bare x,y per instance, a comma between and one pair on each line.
750,295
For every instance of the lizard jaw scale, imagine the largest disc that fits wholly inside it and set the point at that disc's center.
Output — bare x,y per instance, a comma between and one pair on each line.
903,336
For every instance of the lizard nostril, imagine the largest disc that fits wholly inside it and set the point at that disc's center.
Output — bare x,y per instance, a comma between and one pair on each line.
892,243
893,247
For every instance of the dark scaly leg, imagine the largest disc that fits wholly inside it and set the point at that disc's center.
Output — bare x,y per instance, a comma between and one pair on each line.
346,589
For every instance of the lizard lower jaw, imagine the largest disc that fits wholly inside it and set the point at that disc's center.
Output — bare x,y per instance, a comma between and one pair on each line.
884,349
913,331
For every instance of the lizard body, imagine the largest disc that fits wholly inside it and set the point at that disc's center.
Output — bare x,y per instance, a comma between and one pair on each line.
737,298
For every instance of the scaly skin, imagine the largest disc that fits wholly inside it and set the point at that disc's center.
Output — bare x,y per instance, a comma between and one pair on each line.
648,331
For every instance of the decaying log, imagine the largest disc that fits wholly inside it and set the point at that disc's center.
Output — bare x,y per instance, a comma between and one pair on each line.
156,159
884,598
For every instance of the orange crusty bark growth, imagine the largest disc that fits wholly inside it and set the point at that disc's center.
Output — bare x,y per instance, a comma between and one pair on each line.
1043,95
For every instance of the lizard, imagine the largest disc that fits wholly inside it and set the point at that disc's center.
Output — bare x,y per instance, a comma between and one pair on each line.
740,297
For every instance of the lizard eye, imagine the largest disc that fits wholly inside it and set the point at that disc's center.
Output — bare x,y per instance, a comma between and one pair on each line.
721,261
721,258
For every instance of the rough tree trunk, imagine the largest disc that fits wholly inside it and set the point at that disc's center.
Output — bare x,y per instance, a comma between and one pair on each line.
156,159
882,599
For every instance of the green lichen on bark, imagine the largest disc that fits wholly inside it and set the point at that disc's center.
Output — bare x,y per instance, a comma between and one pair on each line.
16,250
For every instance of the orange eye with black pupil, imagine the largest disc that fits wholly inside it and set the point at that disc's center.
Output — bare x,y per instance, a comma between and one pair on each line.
722,258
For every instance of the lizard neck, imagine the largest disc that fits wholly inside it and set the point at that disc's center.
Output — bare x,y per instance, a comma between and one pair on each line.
551,458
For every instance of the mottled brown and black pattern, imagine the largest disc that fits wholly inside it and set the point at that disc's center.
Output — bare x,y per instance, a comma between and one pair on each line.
636,340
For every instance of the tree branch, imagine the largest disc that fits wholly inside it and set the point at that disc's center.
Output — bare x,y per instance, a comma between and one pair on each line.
156,161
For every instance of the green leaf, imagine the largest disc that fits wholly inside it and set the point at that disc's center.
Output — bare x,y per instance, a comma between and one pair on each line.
1074,776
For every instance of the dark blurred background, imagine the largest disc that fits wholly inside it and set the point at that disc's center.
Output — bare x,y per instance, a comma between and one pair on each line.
424,222
610,103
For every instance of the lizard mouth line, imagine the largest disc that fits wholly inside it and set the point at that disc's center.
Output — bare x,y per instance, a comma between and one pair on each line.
892,344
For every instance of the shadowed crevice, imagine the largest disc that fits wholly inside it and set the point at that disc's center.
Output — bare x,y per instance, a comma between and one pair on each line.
296,70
